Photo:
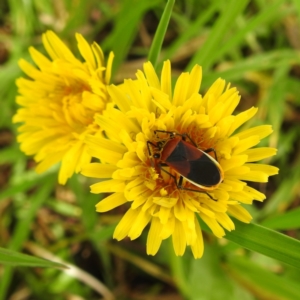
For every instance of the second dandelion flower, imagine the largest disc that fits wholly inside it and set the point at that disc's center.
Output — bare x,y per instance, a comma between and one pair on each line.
59,100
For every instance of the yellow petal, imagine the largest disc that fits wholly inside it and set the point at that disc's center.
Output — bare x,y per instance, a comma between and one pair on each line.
194,81
242,196
97,170
139,224
225,221
40,60
262,131
217,230
86,51
179,210
241,118
255,194
69,162
234,161
260,153
151,75
179,239
167,202
108,186
198,246
109,67
154,238
255,176
125,224
111,202
267,169
119,98
168,228
166,85
215,91
239,213
164,214
181,89
246,144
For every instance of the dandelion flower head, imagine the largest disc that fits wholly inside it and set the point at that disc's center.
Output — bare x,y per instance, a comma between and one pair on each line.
59,101
148,105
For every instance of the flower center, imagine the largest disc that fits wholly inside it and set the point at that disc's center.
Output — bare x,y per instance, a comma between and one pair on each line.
182,165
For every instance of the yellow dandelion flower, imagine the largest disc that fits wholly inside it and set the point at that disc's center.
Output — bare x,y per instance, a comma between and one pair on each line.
176,156
59,102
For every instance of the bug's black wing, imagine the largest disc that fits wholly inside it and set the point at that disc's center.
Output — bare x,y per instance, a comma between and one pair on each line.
204,172
193,164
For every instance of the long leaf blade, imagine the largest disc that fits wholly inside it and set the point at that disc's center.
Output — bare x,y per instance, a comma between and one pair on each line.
266,241
287,220
160,33
15,258
223,24
269,285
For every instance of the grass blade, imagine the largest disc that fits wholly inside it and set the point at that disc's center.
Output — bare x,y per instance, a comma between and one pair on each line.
269,13
23,227
266,241
125,29
160,33
215,284
269,285
265,61
192,30
287,220
14,258
212,44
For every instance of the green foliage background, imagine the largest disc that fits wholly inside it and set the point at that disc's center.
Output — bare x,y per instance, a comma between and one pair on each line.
252,44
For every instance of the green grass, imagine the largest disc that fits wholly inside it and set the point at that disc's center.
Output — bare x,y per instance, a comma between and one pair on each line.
252,44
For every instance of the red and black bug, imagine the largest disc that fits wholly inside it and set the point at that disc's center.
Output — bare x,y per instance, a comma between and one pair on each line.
191,163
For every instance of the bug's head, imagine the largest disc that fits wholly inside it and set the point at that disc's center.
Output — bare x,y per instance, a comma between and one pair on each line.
160,144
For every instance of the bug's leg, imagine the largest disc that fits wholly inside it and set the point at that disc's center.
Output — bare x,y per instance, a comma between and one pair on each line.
211,150
171,133
179,183
184,136
203,192
192,190
149,151
148,146
161,165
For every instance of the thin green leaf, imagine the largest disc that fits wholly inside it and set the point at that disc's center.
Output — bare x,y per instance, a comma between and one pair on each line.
287,220
126,24
284,194
14,258
29,180
274,102
238,37
178,271
23,226
89,217
192,30
266,241
297,6
259,62
215,283
264,283
160,33
230,12
87,201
